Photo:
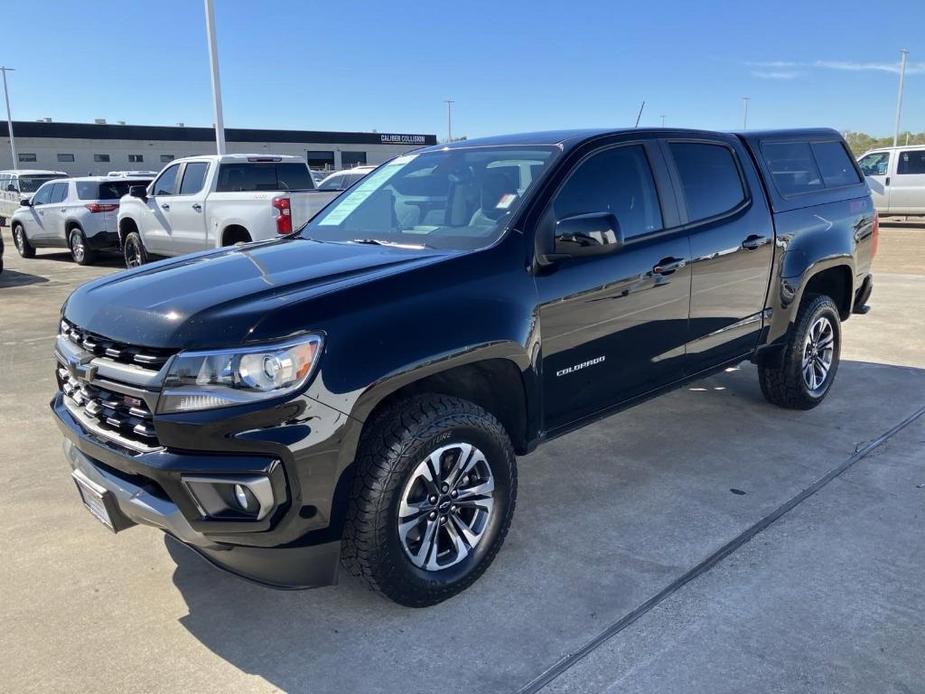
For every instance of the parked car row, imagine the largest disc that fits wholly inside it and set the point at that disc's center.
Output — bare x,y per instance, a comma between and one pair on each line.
193,204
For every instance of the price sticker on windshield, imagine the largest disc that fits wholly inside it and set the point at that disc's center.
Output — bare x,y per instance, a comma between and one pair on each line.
367,187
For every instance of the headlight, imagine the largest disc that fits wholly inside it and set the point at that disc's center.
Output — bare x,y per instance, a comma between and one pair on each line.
206,380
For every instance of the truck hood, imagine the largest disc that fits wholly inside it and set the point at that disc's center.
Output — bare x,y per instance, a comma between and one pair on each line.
218,298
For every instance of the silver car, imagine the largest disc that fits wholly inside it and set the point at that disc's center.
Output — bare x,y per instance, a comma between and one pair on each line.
75,213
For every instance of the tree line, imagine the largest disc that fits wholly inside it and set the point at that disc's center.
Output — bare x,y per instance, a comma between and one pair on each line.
861,142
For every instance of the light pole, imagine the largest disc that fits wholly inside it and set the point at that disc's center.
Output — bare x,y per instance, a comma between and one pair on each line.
745,100
663,120
899,98
9,117
216,83
449,119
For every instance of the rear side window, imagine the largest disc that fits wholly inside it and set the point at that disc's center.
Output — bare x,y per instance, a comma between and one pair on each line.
911,162
710,178
234,178
793,167
835,164
194,177
618,181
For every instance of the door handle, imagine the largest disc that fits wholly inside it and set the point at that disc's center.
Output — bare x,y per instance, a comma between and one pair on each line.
754,241
197,207
886,181
165,206
666,266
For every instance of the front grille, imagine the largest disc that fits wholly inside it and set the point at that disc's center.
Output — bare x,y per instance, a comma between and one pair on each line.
120,417
120,352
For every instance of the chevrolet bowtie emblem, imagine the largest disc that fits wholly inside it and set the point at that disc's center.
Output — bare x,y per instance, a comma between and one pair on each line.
81,368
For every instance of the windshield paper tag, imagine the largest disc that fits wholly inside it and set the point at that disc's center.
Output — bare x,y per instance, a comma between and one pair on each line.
367,187
506,201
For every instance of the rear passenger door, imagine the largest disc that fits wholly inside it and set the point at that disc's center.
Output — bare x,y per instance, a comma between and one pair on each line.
907,189
731,235
187,209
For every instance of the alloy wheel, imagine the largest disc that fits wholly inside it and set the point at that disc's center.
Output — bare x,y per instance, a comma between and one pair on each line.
77,246
446,506
20,240
818,353
133,254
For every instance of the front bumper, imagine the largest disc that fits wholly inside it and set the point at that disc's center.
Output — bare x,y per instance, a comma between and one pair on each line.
147,489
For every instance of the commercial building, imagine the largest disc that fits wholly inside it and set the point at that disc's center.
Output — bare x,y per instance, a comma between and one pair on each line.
96,148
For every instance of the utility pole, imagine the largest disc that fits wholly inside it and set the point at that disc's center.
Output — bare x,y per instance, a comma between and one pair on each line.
663,120
9,116
903,53
216,83
449,119
745,100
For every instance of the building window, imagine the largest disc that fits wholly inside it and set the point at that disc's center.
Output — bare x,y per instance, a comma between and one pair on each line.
166,157
65,158
136,158
27,156
351,159
101,158
320,159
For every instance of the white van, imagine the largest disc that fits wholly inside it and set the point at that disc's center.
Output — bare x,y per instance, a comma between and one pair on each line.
16,185
896,176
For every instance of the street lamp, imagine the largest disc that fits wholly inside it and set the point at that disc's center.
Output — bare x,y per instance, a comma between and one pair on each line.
449,119
9,117
745,100
899,98
216,84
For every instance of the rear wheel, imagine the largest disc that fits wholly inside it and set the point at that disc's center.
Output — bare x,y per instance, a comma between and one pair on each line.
26,250
133,250
432,500
810,360
80,251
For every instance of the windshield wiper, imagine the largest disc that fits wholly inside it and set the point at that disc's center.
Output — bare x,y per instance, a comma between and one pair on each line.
380,242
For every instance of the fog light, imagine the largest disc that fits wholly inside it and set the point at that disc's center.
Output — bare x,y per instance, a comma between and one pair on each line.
241,496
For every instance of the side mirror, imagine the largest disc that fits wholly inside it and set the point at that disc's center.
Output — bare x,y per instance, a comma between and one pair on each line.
26,202
138,192
588,234
11,189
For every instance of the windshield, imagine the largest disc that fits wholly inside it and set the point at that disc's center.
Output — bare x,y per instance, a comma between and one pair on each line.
30,184
456,199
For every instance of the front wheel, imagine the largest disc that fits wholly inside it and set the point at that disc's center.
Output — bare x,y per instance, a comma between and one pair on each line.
134,250
432,500
25,249
810,360
80,251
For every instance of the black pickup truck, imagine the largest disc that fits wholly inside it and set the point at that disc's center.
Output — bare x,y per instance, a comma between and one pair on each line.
357,392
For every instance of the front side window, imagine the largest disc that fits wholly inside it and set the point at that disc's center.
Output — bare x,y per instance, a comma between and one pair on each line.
911,161
166,183
792,166
454,199
617,181
101,158
875,164
194,177
43,194
835,164
710,178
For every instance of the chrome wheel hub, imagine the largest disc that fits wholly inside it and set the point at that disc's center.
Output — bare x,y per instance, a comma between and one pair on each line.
20,239
818,353
77,247
446,506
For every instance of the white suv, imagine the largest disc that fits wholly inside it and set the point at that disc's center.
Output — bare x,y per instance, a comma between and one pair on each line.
74,213
204,202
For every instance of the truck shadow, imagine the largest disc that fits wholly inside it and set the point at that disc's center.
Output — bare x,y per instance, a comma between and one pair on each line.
12,278
647,494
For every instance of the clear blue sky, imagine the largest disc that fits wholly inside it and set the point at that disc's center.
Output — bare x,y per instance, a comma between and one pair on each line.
511,65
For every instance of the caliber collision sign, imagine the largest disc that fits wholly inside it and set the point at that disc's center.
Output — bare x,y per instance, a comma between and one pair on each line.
402,139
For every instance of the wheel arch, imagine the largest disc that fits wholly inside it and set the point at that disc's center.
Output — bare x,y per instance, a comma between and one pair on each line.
231,230
126,226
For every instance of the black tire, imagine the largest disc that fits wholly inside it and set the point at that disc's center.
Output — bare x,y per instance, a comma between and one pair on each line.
21,241
787,384
80,251
133,250
392,449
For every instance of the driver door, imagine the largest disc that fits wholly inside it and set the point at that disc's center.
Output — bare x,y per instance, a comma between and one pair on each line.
34,220
614,326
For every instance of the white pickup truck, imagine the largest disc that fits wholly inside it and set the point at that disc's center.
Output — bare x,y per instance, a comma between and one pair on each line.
16,185
203,202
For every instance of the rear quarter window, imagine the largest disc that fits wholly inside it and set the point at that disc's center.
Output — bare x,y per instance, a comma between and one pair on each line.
835,164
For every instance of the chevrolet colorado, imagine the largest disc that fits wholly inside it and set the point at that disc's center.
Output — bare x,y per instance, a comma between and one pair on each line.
357,392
